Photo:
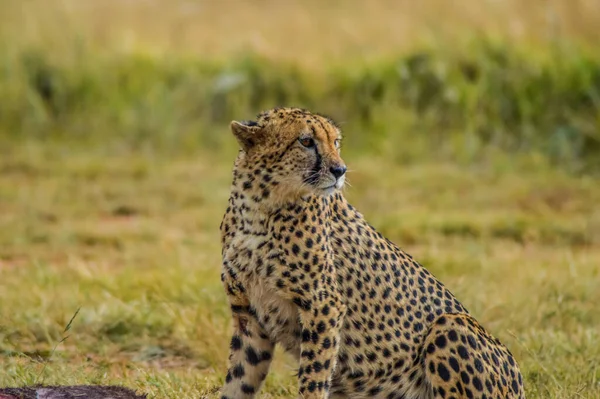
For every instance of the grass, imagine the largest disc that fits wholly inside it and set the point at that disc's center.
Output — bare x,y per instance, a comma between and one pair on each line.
471,135
489,97
131,240
306,32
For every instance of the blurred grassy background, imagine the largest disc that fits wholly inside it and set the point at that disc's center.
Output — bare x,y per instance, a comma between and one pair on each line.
472,134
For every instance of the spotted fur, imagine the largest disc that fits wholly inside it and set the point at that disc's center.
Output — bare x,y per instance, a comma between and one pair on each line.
303,269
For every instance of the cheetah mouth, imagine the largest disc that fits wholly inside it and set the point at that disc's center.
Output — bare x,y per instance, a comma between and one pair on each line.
328,188
337,185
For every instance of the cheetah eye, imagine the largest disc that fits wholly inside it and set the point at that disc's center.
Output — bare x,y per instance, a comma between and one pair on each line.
307,142
337,143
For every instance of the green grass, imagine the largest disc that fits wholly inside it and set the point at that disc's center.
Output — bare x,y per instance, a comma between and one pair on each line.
131,239
453,104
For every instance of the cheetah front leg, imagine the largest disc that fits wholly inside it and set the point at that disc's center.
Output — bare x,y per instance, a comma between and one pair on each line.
321,311
321,323
250,350
301,269
249,358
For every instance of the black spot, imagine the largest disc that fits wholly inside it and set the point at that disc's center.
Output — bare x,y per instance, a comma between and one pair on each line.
314,337
237,308
462,351
238,371
303,303
317,366
309,354
251,356
440,341
515,386
454,363
452,336
247,389
478,365
443,372
472,341
236,343
489,386
359,386
295,249
477,384
465,378
321,327
305,335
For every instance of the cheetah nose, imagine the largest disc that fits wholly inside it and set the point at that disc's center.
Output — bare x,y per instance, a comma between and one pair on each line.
338,171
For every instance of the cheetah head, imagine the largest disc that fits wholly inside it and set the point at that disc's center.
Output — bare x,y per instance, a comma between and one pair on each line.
288,153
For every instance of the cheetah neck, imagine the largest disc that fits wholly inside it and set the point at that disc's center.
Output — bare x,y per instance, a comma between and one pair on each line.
249,216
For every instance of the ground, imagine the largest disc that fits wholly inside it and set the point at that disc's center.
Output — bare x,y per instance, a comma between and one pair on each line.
128,243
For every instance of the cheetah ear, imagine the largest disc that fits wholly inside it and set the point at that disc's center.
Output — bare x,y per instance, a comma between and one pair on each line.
246,133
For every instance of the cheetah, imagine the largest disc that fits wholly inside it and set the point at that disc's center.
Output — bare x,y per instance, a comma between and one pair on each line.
303,269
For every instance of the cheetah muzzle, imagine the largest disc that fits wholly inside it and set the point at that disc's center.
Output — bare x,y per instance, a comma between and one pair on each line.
303,269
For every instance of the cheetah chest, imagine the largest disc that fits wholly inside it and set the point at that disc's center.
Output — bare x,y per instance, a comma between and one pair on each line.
278,317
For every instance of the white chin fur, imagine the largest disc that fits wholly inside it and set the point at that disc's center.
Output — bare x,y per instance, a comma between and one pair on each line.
327,191
331,186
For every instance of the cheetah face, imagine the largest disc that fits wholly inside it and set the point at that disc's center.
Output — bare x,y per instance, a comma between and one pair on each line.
321,167
295,153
